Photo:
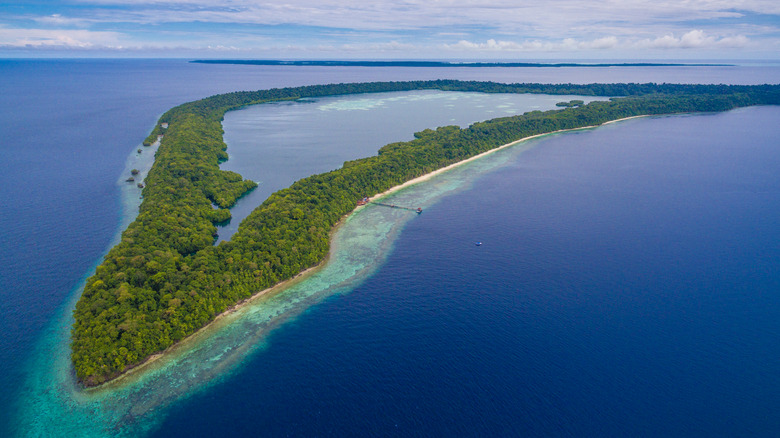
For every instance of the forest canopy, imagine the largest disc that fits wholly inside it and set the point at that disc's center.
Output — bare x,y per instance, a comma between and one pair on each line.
166,278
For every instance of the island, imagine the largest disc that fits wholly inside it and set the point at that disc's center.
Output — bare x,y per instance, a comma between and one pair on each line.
167,278
571,103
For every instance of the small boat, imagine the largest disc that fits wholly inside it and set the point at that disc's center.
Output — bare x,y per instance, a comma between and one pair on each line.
478,243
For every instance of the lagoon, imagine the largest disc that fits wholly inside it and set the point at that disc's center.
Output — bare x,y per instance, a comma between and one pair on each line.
277,144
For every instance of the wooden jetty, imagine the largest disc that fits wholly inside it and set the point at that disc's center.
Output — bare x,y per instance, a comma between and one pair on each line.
365,201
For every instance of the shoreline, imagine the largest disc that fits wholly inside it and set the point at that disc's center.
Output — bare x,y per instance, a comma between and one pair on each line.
141,367
430,175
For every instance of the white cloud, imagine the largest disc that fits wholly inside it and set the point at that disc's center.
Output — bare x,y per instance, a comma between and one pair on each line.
695,39
91,40
609,42
57,38
59,20
567,44
506,15
734,42
400,26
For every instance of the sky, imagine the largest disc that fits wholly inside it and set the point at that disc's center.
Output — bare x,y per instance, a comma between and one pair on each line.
393,29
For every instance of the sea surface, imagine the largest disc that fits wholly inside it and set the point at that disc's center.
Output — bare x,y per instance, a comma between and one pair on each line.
627,282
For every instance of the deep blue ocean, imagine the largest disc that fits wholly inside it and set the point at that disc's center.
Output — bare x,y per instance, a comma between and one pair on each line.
627,282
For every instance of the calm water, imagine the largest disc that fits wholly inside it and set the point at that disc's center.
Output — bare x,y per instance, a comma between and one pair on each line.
626,285
278,144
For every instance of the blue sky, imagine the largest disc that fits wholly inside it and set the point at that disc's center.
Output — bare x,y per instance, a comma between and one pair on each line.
398,29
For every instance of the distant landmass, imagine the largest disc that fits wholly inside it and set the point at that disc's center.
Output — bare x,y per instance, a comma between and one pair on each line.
443,63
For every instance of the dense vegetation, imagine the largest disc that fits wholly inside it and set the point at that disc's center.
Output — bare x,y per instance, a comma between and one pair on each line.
571,103
166,278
